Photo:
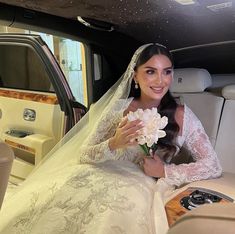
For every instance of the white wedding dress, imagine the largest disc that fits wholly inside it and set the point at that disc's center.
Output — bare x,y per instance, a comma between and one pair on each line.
107,192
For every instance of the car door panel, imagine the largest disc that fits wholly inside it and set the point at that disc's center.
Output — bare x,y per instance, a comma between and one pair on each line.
36,103
30,139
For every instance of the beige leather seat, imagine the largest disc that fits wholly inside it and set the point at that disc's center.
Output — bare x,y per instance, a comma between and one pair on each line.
225,145
216,218
213,218
6,159
190,85
221,80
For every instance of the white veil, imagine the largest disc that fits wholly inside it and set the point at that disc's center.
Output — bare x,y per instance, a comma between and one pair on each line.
66,152
33,197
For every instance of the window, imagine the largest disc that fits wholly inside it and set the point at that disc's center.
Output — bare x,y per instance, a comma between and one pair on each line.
21,68
69,54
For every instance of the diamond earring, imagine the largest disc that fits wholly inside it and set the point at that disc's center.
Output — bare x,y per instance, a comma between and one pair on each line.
136,85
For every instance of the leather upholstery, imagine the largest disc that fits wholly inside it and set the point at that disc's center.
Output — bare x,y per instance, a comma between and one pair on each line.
190,80
6,159
212,218
225,145
205,105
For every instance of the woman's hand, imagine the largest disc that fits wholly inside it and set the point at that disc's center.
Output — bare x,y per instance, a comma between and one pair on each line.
126,134
153,166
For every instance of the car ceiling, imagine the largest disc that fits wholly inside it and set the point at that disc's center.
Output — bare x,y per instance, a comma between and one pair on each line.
163,21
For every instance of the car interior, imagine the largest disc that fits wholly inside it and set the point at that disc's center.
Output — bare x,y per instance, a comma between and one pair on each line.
201,38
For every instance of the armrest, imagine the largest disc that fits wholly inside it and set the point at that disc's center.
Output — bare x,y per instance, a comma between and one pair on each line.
6,160
212,218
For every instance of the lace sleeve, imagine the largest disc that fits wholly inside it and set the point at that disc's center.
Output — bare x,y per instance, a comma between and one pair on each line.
206,165
96,148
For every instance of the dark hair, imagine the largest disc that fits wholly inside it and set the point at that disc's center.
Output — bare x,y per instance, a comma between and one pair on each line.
167,106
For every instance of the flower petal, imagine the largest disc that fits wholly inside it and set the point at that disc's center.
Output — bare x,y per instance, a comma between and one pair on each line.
161,133
163,122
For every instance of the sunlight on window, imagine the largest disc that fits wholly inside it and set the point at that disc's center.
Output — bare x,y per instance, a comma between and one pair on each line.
70,55
72,62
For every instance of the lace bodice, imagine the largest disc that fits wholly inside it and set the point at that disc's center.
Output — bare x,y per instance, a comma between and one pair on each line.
193,138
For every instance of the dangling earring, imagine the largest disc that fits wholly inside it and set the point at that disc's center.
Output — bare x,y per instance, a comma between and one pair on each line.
136,85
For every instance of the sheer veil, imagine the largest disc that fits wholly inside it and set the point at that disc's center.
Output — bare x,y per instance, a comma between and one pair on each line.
63,195
61,187
66,152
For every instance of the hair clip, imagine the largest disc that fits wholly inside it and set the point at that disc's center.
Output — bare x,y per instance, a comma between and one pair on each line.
158,44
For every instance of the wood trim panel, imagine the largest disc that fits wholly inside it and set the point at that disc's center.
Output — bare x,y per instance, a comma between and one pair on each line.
20,146
174,210
35,97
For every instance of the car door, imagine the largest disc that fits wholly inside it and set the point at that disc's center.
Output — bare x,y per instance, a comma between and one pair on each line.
36,104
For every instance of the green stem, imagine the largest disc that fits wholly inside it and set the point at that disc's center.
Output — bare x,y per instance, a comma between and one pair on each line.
145,149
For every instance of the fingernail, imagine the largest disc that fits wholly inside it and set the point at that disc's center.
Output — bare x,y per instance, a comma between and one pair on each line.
141,123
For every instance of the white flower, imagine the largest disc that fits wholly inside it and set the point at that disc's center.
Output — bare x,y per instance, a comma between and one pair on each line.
153,125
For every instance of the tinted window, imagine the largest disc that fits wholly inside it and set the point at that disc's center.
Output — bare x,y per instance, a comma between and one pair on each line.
21,68
71,57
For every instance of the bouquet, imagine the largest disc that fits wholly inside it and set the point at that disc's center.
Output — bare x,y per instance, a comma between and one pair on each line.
152,130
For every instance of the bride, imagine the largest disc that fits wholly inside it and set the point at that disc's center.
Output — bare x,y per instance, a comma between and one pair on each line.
97,179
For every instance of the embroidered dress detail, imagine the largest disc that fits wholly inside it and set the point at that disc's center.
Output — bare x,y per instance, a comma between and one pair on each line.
83,187
193,138
196,141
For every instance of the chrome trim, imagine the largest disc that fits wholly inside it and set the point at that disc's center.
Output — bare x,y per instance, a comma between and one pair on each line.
89,25
204,45
29,114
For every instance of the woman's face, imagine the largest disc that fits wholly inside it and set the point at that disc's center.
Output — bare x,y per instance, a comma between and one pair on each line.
154,77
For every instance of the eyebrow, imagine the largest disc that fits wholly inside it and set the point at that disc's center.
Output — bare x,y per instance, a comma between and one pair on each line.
156,68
